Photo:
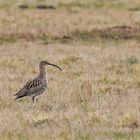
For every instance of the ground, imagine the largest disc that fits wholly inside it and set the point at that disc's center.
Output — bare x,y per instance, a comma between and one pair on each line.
96,43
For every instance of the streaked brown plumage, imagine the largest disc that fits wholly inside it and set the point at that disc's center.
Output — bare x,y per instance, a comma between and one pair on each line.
36,86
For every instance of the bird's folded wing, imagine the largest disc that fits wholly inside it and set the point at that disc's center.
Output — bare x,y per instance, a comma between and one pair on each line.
31,87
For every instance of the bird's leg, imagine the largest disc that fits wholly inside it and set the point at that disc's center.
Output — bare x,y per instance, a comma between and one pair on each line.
32,103
36,99
33,99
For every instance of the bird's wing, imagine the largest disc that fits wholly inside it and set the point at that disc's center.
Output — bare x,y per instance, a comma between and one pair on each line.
23,89
31,87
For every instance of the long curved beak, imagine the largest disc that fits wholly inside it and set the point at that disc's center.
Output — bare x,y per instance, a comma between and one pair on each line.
53,65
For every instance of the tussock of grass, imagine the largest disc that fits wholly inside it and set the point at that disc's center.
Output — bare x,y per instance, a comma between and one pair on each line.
128,120
132,60
134,8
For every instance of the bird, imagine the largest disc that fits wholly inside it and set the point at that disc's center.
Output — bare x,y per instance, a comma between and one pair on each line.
37,85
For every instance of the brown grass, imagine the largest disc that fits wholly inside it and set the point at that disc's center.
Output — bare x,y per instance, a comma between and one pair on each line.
97,94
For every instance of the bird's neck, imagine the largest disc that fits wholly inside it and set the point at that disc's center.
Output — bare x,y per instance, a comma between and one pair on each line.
42,72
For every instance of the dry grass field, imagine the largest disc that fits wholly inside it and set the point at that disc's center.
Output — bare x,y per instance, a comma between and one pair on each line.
97,95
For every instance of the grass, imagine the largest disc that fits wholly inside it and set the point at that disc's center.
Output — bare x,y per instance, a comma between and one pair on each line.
96,97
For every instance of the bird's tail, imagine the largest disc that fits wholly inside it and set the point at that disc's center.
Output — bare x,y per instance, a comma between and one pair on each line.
17,97
15,94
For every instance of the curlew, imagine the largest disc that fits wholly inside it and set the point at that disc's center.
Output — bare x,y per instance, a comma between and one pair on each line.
38,85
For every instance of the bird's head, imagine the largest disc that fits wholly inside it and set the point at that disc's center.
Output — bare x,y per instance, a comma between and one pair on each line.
44,63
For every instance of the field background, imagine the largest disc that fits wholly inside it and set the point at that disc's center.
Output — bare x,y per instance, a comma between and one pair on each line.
97,43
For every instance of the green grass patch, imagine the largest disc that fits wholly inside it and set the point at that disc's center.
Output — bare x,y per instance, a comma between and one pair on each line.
132,60
134,8
69,60
95,5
